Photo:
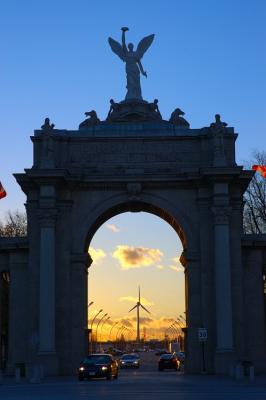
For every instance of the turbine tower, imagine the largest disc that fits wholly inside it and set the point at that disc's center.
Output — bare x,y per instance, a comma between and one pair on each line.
137,306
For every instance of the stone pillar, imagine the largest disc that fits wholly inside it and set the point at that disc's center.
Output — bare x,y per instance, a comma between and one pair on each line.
193,310
222,267
80,263
47,290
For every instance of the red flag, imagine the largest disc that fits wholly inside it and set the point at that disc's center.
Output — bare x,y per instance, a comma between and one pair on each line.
261,169
2,191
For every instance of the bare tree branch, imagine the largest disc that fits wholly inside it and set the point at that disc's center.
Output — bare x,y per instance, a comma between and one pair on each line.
254,216
15,224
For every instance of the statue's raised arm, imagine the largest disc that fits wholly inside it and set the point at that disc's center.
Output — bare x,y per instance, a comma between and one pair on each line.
133,64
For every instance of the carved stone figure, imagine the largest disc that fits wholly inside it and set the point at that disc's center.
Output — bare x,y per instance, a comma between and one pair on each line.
113,108
47,126
133,62
91,121
155,109
177,120
218,125
218,129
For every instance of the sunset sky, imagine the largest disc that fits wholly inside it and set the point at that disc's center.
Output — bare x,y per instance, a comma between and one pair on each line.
129,251
208,57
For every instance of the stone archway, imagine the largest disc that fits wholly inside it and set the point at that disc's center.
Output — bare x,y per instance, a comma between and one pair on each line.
186,177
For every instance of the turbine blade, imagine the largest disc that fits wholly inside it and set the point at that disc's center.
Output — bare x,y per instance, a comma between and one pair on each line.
139,293
133,308
144,308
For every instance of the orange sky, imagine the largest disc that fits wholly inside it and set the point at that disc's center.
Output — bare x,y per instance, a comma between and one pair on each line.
131,250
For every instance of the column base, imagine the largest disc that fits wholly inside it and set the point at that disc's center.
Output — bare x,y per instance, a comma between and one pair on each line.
48,362
224,360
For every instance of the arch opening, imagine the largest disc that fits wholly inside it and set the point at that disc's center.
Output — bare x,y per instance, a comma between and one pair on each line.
134,276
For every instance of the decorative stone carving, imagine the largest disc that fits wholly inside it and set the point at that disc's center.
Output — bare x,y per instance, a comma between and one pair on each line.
218,129
134,111
134,190
177,120
47,127
221,214
47,155
132,59
91,121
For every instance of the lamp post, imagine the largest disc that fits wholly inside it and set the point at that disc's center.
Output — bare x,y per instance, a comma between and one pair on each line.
121,327
97,326
104,322
90,344
90,303
110,332
182,318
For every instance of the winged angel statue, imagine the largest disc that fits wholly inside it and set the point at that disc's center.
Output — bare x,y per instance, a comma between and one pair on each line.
133,62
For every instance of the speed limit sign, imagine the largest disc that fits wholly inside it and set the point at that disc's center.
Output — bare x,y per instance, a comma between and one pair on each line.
202,334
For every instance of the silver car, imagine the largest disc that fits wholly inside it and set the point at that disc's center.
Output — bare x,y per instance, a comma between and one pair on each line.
130,361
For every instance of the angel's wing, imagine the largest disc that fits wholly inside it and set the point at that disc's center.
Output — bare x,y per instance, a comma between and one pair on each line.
143,45
117,48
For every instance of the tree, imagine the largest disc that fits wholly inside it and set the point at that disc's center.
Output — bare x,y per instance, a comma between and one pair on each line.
255,199
15,224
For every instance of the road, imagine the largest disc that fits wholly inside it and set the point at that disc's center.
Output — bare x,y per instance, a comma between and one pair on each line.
146,383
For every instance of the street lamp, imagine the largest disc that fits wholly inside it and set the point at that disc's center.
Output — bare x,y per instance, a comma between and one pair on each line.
90,303
90,341
182,318
110,332
102,327
100,320
121,327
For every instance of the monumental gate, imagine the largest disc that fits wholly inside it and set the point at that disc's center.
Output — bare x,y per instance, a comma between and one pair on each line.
135,161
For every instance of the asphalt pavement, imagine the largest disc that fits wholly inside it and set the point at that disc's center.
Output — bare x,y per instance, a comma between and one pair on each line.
146,383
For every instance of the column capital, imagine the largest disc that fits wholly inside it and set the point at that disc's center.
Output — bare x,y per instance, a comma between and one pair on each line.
81,258
221,214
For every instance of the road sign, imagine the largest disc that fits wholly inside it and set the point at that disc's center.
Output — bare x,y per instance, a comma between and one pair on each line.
202,334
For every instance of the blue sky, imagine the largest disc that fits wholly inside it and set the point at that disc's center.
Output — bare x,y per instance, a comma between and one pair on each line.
208,57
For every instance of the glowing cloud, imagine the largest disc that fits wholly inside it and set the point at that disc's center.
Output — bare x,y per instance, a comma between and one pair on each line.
176,268
132,299
113,228
96,254
136,257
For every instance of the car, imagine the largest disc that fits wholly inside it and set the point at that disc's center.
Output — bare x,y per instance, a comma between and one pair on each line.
98,366
130,361
168,361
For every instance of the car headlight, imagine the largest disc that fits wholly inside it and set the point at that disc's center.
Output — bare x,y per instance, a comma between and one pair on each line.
81,369
122,362
104,368
136,362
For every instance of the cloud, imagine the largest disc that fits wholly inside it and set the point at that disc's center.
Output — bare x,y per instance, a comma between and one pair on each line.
132,299
136,257
113,228
176,268
144,320
126,322
159,266
176,260
96,254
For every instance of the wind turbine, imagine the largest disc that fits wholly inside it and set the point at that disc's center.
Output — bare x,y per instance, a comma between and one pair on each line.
137,306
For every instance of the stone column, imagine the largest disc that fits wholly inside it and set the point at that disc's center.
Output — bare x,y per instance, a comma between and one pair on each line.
80,263
47,282
190,260
222,269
